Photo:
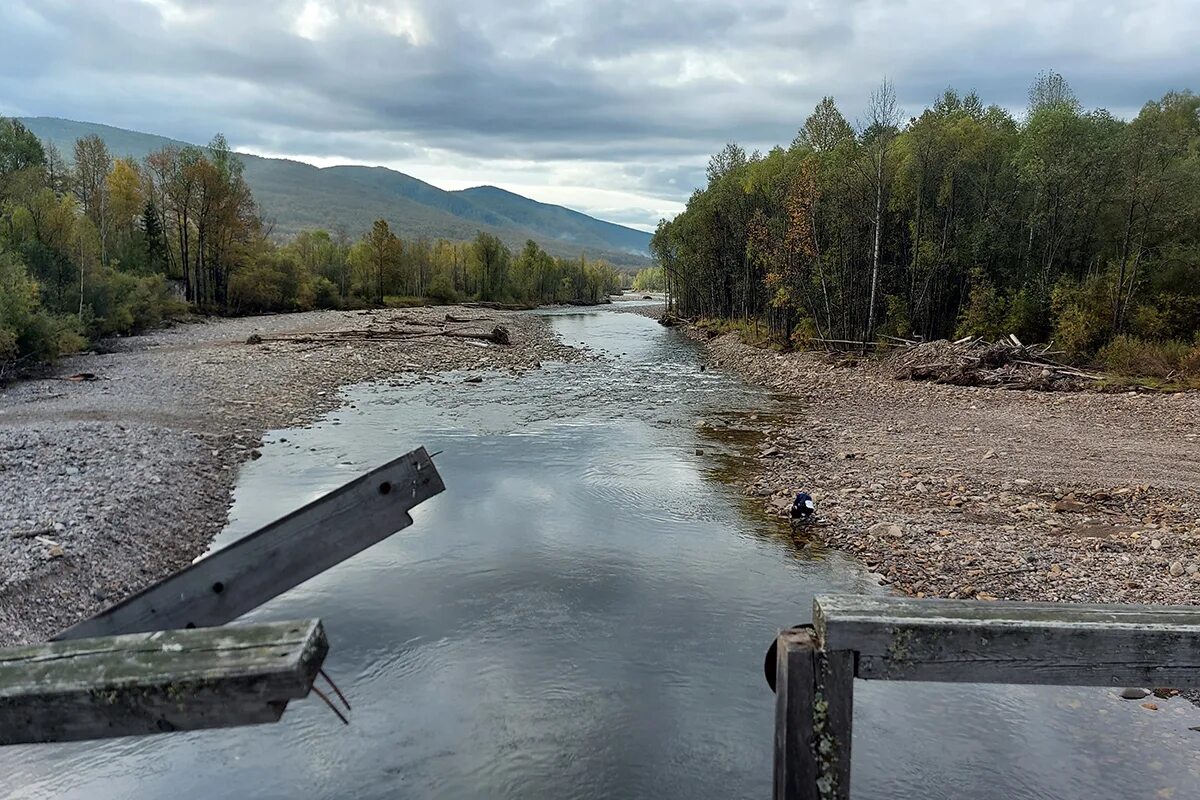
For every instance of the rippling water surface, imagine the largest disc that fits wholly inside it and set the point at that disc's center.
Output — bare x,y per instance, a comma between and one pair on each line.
583,614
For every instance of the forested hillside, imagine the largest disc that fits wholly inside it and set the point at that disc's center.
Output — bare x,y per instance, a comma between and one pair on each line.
293,196
98,245
1064,224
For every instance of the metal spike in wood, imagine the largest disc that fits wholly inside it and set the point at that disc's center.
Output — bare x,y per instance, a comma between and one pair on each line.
249,572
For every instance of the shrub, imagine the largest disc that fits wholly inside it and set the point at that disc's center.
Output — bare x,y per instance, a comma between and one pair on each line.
26,330
1026,317
984,314
122,303
325,293
441,289
1082,315
256,288
803,334
896,320
404,301
1139,358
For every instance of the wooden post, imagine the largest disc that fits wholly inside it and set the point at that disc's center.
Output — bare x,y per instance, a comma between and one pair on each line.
226,584
814,705
146,683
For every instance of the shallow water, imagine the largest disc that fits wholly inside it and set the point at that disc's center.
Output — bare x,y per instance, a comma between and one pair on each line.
583,614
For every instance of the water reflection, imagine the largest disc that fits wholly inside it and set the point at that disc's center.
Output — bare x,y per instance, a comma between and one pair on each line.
583,613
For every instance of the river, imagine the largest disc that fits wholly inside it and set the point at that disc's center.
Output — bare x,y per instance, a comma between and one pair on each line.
583,614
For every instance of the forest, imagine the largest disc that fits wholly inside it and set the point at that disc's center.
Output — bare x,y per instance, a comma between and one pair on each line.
965,220
97,246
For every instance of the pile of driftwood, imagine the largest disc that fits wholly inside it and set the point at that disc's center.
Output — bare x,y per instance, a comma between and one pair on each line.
401,331
972,361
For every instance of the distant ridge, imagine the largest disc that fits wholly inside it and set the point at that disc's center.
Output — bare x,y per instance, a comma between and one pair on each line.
296,196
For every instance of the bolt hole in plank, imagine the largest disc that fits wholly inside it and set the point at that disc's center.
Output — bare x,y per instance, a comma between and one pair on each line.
277,557
218,587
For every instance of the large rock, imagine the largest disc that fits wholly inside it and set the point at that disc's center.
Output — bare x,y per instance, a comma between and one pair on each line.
885,529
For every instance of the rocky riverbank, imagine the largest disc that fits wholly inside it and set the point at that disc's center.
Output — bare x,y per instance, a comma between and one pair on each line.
968,492
116,478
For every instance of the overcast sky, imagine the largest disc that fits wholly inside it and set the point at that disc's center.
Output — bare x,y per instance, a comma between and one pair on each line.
608,106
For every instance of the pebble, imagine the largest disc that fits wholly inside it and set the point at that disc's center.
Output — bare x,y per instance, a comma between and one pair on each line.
1134,694
161,451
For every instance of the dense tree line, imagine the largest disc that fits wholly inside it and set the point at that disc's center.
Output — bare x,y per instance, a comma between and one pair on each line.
100,245
1064,224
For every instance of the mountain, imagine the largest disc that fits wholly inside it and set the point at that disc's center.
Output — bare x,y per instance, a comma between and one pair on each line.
295,196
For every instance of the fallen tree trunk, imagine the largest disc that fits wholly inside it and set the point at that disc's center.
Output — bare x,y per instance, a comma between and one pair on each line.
499,306
497,335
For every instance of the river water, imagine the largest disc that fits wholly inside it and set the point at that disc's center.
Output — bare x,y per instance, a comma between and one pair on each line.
583,613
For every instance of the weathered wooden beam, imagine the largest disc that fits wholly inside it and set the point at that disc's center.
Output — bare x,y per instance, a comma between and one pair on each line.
147,683
814,698
277,557
835,686
899,638
796,769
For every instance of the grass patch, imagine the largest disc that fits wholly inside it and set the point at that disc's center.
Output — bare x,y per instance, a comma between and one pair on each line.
405,301
752,333
1168,364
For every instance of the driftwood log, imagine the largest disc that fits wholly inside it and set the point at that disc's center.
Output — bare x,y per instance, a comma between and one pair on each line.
497,335
1005,364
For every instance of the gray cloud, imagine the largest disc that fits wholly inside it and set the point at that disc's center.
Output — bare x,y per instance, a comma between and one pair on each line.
624,96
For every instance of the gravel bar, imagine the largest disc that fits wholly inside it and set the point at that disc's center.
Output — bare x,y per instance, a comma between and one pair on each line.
982,493
109,484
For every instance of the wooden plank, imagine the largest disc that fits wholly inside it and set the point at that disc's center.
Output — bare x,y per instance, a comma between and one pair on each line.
899,638
813,710
835,686
796,768
147,683
277,557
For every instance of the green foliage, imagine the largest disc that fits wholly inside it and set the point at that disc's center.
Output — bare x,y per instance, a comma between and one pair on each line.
27,332
105,247
1026,316
19,148
120,302
442,290
398,301
896,320
1164,360
803,333
1069,224
258,288
300,198
984,315
651,279
1081,311
324,293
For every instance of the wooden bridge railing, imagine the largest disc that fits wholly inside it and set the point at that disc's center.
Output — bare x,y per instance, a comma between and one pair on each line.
138,668
901,639
145,683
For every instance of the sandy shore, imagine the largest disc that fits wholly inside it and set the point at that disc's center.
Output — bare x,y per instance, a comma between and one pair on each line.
108,485
984,493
